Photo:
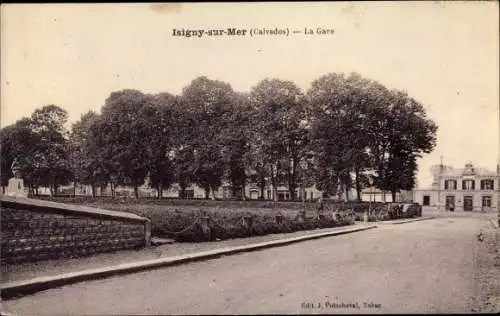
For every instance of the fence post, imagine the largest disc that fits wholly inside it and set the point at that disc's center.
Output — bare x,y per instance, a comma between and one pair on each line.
147,233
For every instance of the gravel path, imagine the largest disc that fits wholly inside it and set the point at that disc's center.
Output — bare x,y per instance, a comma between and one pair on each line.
487,270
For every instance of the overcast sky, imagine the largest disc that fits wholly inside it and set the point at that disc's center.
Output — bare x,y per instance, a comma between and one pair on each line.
446,55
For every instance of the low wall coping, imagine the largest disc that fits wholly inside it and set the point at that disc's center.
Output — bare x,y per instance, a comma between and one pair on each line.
67,209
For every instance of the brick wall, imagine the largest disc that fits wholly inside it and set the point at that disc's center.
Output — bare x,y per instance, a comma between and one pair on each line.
38,230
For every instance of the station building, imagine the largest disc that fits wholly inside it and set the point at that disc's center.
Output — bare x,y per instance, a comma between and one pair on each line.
466,189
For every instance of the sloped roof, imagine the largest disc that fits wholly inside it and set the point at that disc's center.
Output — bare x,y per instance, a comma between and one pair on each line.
478,171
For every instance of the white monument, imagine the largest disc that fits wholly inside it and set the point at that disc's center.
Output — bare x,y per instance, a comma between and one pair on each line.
16,184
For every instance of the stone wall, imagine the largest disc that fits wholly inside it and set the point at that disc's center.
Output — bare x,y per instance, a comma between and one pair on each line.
34,230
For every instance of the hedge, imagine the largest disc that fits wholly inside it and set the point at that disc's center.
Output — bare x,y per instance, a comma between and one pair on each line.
206,220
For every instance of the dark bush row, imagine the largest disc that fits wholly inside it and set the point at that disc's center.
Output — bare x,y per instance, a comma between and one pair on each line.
212,227
395,211
378,211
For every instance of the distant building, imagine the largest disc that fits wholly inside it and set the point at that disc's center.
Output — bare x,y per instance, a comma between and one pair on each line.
252,192
225,191
465,189
376,195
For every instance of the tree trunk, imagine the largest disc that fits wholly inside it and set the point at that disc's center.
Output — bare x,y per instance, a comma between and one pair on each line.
393,193
291,181
358,185
51,188
160,191
182,193
291,188
275,189
262,185
207,192
74,187
347,193
243,194
92,188
340,191
35,186
136,190
213,192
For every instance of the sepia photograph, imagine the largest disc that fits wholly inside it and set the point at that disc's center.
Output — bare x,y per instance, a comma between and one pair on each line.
250,158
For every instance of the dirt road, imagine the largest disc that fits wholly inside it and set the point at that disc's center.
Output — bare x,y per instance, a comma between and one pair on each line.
421,267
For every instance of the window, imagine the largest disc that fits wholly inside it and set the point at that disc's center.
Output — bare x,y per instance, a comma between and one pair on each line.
487,184
468,184
486,201
427,200
281,196
450,184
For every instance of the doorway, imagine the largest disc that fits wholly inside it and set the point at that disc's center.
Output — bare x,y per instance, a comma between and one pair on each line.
486,203
450,203
468,206
427,200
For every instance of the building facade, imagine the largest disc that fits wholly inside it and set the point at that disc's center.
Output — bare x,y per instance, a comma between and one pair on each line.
225,191
376,195
252,192
466,189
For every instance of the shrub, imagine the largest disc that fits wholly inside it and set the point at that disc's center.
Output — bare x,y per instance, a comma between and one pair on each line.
265,228
326,222
228,231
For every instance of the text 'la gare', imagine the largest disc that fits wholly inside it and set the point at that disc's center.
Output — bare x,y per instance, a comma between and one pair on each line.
319,31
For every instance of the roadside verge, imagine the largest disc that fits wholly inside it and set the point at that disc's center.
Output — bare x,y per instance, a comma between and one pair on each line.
17,288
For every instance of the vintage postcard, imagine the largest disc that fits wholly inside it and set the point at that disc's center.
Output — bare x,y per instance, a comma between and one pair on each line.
250,158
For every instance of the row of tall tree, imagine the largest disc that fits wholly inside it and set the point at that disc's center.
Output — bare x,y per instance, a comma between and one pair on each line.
344,132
